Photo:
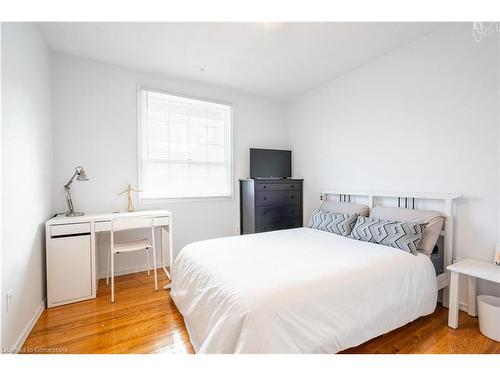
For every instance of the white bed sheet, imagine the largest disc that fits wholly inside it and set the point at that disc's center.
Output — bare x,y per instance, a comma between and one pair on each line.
297,291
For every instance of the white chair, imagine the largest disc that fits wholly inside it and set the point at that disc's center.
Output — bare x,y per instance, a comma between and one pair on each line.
128,223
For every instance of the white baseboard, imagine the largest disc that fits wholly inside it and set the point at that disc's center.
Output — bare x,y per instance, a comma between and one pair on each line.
29,327
463,307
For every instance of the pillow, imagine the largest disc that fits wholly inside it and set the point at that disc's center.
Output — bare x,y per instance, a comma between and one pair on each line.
398,234
433,219
345,208
332,222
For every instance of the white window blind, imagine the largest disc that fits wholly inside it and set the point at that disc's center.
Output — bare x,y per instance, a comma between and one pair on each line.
185,147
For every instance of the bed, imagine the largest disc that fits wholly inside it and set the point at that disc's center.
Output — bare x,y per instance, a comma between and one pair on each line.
297,291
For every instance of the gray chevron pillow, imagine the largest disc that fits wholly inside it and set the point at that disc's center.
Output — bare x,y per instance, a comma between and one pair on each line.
331,222
398,234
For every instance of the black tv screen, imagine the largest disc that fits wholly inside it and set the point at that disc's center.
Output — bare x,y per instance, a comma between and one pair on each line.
270,163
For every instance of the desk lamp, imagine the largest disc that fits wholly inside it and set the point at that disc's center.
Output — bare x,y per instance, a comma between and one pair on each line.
80,176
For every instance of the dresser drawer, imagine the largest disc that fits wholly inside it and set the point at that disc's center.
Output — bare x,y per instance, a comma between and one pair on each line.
278,225
279,186
263,198
273,212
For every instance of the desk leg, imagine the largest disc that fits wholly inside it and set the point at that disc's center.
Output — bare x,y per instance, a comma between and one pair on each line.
164,242
471,309
453,309
170,247
94,263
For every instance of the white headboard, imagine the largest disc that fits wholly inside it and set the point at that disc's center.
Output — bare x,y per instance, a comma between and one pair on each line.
407,200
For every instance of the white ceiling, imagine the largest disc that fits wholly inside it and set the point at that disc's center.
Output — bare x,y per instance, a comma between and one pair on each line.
278,60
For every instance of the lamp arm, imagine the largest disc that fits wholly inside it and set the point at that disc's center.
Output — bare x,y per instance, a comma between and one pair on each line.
77,172
67,195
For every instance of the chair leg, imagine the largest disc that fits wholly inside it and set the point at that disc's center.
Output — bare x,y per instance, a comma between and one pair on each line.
147,259
112,278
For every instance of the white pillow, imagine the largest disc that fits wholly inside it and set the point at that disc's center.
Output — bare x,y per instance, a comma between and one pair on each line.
433,219
345,208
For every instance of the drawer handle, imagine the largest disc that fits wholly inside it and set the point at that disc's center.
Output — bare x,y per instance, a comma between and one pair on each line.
265,198
265,186
292,186
70,235
291,196
265,212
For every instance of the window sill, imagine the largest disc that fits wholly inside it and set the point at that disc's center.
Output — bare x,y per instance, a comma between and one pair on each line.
152,201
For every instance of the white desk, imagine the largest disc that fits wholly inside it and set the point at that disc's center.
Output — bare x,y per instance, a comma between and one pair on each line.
473,269
71,253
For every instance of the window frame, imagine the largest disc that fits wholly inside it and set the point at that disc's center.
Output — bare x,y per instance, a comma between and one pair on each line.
141,117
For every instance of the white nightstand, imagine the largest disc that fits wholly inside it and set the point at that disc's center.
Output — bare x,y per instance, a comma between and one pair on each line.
473,269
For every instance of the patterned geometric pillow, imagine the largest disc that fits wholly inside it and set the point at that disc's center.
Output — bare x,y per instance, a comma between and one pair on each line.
331,222
397,234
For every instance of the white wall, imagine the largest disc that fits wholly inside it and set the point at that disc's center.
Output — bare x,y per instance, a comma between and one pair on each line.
424,117
26,175
95,125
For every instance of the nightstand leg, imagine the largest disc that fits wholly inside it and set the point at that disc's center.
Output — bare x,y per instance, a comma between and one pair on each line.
471,310
453,309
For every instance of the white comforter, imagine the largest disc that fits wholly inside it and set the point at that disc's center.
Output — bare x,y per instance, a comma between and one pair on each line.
297,291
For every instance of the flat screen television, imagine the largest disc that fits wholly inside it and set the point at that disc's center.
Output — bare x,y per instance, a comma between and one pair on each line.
270,163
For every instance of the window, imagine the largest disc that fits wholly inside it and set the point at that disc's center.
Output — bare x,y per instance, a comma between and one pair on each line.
185,147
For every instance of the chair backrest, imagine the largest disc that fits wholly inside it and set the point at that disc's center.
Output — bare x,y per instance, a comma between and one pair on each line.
131,222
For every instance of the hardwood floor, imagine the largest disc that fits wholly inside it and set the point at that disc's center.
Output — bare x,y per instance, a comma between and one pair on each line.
431,335
144,321
139,321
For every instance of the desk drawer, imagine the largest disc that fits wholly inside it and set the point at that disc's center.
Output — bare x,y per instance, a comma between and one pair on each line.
69,229
105,226
161,220
102,226
264,198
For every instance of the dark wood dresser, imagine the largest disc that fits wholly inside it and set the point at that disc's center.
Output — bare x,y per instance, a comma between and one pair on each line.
270,204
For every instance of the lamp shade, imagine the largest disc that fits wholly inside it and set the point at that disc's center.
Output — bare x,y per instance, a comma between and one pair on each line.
82,175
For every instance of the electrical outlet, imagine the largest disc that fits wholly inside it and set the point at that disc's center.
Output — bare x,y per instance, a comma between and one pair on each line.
9,299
